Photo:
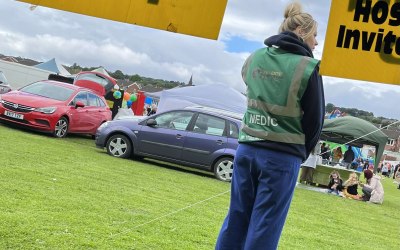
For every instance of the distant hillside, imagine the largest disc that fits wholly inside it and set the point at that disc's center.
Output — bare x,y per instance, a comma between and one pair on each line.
21,60
365,115
118,74
163,84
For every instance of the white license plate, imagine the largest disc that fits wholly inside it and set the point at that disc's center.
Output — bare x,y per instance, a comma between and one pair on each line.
13,115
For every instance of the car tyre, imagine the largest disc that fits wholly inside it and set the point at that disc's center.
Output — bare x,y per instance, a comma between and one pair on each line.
223,169
119,146
61,128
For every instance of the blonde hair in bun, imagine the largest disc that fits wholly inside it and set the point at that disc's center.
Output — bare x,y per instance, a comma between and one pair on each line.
293,9
295,17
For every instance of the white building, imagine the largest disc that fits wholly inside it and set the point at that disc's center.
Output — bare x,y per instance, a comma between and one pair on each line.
19,75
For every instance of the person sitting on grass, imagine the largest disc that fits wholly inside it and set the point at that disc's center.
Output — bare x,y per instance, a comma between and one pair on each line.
335,183
372,189
350,187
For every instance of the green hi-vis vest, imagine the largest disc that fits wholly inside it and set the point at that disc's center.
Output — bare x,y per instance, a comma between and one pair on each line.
273,96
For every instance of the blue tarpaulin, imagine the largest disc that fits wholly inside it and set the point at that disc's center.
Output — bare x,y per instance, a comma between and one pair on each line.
148,100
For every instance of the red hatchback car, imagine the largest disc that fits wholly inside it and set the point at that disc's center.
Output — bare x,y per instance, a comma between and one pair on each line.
55,107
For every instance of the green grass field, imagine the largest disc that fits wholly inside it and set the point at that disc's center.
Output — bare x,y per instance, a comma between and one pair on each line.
67,194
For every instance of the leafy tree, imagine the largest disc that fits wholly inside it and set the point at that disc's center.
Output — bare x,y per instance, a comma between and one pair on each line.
135,78
329,107
118,74
376,120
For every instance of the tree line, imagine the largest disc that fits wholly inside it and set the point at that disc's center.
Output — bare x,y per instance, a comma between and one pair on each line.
159,83
365,115
119,75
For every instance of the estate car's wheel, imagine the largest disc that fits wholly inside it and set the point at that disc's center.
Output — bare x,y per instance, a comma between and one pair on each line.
61,128
119,146
223,169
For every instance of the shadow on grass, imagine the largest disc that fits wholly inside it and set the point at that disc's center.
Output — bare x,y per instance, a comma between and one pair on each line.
172,166
38,132
180,168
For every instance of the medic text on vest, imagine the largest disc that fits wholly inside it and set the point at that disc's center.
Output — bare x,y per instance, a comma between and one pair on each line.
263,120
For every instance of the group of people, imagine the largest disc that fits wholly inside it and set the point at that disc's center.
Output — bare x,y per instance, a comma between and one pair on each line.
322,151
150,109
337,156
372,189
116,102
388,169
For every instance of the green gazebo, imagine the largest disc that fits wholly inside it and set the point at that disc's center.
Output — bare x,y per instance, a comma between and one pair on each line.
356,132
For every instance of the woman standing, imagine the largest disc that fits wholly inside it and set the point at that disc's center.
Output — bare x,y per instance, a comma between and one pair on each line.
308,167
281,126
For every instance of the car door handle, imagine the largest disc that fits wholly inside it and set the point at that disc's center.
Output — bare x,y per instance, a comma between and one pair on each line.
179,136
220,142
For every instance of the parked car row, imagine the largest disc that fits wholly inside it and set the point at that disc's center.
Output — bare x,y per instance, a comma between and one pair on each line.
197,137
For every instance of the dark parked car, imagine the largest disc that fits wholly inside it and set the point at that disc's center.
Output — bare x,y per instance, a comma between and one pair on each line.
197,137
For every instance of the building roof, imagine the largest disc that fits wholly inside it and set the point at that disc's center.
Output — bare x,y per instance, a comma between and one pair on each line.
150,89
392,134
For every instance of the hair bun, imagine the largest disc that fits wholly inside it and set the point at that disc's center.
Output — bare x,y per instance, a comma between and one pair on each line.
292,9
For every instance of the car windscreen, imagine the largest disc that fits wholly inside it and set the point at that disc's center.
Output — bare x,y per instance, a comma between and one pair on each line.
48,90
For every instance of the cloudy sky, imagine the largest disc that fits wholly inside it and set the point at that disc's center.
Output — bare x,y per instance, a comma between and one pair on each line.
45,33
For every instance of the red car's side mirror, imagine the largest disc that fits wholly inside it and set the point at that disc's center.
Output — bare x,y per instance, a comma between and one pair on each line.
79,104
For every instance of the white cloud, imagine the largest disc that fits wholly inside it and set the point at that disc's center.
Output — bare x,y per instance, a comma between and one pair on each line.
88,41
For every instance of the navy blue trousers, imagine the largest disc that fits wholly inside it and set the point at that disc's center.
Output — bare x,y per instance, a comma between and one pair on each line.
262,188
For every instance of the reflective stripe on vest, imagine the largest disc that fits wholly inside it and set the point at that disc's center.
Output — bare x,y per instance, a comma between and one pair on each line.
272,136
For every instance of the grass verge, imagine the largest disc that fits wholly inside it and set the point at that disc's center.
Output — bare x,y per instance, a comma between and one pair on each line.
66,194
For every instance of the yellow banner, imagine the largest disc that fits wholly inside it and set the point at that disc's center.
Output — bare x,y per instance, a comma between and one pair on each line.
363,41
200,18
